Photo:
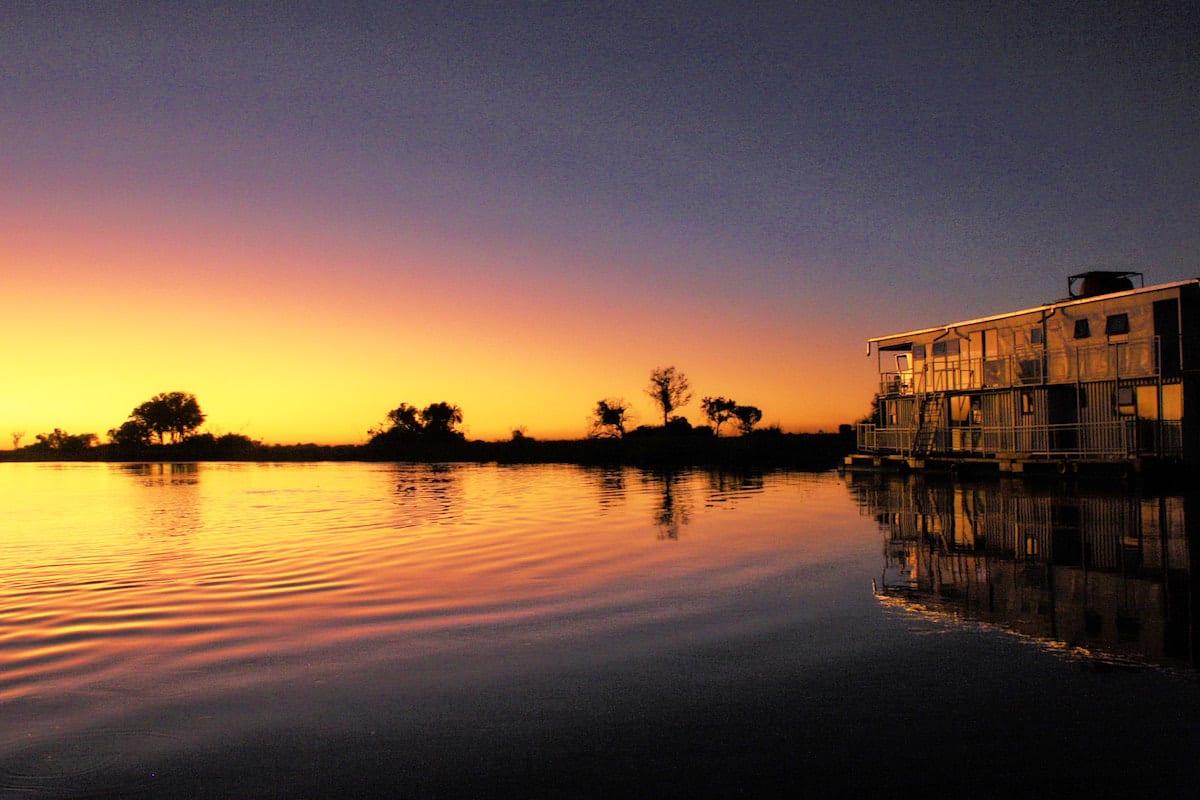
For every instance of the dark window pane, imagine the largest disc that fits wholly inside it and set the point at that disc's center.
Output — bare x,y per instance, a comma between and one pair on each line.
949,347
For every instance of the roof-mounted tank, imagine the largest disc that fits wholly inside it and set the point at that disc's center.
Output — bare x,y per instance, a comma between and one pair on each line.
1098,282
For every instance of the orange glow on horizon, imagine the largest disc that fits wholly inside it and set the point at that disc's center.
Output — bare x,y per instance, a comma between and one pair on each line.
313,339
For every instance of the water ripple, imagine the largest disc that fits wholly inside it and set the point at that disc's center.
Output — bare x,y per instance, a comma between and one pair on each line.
190,599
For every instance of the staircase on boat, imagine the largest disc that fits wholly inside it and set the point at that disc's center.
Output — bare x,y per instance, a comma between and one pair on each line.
930,418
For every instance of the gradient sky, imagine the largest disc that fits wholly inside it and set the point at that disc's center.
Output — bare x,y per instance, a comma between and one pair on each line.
308,213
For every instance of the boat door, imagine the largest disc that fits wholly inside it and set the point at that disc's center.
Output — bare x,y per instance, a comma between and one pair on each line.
904,372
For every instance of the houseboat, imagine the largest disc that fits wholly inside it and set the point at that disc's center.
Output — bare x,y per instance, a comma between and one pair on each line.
1101,378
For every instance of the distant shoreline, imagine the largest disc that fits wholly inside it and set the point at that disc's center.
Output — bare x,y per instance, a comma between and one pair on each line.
808,451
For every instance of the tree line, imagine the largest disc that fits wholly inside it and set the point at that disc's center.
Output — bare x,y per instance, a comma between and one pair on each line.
174,419
168,417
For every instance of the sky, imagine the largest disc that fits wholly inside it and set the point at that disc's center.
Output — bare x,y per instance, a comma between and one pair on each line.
308,213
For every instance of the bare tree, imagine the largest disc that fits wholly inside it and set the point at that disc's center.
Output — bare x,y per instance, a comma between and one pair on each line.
17,436
669,389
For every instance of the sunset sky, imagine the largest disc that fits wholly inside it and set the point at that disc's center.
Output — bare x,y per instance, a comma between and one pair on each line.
308,213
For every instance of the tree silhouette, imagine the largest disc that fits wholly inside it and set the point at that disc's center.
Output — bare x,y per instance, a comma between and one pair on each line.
669,389
17,436
438,420
608,420
62,441
132,433
176,414
405,418
719,410
747,417
405,422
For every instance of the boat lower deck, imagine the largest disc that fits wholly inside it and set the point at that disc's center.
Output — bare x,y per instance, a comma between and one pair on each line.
1001,464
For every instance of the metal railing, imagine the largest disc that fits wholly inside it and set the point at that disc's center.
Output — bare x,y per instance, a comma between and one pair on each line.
1139,358
1100,440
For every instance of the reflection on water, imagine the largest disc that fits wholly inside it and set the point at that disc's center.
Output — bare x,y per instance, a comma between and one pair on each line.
164,474
610,485
408,630
428,494
1109,573
155,611
674,504
171,505
677,494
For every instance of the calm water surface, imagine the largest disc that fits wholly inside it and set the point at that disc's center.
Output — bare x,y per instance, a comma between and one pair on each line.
330,630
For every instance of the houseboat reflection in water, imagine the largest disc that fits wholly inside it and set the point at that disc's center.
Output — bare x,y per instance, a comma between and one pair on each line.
1108,573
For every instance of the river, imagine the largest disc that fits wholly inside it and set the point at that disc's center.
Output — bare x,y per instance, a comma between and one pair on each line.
360,630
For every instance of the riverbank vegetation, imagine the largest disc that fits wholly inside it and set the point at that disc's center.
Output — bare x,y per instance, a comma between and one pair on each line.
167,428
645,447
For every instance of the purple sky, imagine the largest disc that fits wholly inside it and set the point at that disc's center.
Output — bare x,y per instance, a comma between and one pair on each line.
746,190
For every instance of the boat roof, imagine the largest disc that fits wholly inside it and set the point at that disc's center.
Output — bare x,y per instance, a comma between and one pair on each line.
1065,302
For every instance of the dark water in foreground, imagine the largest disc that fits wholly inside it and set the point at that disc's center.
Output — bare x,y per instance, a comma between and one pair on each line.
342,630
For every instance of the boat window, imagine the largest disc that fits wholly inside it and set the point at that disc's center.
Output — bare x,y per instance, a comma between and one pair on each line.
1126,404
949,347
965,409
1035,336
1082,329
1147,402
1026,403
960,408
1172,401
1116,324
918,352
991,343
